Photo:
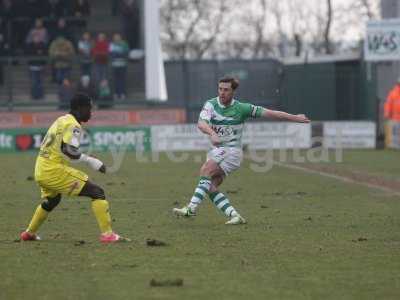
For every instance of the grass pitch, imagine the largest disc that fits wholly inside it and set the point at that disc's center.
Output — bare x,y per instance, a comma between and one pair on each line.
308,236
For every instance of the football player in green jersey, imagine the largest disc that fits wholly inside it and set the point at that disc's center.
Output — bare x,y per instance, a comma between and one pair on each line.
222,119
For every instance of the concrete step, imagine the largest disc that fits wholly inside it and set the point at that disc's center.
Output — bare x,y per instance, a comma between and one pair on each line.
21,82
101,8
112,25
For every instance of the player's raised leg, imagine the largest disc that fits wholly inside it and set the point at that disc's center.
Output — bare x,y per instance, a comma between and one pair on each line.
101,210
209,169
40,215
223,204
200,193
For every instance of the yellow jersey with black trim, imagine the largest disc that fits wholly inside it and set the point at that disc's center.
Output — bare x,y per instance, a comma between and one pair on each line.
65,129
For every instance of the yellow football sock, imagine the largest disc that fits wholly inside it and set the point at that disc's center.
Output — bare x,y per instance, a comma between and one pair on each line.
38,218
101,211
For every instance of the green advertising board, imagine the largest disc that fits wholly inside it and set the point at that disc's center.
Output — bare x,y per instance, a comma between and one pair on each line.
131,138
95,139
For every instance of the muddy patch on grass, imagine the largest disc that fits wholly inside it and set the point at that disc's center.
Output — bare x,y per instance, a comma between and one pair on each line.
79,243
166,282
155,243
360,239
119,266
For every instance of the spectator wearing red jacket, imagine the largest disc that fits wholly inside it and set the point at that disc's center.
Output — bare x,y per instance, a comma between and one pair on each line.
100,58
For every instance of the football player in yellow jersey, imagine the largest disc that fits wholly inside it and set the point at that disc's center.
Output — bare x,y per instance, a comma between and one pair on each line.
55,177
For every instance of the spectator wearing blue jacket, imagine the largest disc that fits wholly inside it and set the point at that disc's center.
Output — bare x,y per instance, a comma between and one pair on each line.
119,51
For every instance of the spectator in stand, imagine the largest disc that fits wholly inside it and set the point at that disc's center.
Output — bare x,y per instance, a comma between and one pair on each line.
7,13
65,93
8,9
35,8
129,11
37,48
4,38
392,104
4,46
61,54
80,8
12,10
62,30
100,58
119,51
87,87
114,7
55,9
85,46
104,95
57,31
37,33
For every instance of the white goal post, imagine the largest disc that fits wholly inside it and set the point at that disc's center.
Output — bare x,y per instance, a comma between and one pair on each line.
154,66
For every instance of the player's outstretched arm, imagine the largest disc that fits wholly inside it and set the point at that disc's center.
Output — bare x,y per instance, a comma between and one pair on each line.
74,154
281,115
206,129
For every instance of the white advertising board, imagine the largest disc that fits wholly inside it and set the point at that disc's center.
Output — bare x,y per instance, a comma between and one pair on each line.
178,138
277,135
345,134
265,135
393,135
382,40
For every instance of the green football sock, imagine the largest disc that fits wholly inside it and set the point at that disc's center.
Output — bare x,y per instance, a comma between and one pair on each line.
222,203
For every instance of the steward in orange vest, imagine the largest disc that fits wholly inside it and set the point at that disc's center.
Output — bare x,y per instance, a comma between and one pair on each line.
392,104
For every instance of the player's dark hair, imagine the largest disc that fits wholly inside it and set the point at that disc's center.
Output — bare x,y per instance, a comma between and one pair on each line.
79,100
233,81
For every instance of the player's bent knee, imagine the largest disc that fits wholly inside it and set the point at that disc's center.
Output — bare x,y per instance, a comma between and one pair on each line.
93,191
98,193
213,189
210,171
206,170
50,203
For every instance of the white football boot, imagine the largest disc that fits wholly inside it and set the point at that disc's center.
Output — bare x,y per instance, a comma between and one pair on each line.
184,212
236,220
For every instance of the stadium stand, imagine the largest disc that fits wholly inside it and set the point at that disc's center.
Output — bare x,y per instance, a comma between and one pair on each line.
28,28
